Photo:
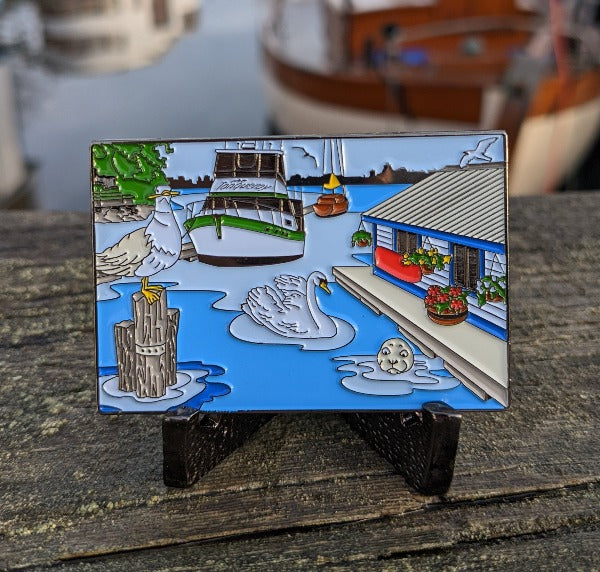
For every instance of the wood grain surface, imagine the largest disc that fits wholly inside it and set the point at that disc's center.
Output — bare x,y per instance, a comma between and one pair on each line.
80,491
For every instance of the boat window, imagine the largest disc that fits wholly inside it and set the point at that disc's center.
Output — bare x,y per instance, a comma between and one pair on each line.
225,166
466,266
161,13
247,163
268,164
472,46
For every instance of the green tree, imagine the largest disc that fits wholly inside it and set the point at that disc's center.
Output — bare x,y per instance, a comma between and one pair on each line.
132,170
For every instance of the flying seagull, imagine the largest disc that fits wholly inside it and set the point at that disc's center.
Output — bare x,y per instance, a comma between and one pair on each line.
145,251
477,154
306,153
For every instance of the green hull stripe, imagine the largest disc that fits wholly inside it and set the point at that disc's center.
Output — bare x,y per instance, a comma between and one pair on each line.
219,221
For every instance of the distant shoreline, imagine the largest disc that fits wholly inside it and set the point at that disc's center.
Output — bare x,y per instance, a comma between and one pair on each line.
388,175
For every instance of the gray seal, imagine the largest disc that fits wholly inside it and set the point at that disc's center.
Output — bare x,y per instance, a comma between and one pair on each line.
395,356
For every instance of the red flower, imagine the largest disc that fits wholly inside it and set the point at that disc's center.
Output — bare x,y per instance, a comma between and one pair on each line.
455,291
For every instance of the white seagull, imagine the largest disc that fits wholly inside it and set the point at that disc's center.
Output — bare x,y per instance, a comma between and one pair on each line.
292,310
477,154
146,251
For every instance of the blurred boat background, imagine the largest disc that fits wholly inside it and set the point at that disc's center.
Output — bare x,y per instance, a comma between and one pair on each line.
530,68
74,71
99,37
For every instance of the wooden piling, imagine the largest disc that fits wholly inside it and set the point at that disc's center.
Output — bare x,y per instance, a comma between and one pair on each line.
147,347
125,347
171,344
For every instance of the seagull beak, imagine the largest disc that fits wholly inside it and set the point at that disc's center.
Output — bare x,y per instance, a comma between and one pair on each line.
323,284
165,194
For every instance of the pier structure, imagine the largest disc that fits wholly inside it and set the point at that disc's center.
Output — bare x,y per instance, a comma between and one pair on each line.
475,357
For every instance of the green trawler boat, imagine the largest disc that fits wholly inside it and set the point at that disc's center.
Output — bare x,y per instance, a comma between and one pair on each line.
248,217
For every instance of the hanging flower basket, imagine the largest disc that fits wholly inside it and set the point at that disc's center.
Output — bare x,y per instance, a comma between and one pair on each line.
491,289
428,260
362,238
447,306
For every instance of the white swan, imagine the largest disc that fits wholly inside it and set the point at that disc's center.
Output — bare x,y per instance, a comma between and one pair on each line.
292,310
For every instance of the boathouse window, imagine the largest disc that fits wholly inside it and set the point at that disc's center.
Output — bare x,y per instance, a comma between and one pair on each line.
466,266
405,241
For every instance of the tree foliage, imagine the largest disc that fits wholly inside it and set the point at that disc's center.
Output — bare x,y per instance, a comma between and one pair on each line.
129,170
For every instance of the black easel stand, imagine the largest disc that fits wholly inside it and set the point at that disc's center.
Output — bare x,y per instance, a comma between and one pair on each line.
421,445
194,442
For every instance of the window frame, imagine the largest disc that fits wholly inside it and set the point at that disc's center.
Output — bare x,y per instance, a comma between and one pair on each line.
470,260
410,240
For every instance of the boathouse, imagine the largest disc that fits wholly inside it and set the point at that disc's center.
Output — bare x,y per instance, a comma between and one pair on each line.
462,214
459,212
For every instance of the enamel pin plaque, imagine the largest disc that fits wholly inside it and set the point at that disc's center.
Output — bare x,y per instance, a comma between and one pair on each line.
280,274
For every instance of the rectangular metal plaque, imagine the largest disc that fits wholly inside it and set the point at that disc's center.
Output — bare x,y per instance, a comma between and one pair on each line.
285,274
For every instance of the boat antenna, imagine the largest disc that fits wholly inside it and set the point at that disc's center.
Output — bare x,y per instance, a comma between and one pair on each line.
341,159
340,149
331,144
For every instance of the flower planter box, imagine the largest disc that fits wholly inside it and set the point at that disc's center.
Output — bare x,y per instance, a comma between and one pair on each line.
446,305
446,319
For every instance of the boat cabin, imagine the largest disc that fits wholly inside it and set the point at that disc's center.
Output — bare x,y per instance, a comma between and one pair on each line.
427,32
249,164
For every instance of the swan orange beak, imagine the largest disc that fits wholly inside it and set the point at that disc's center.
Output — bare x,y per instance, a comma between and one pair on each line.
323,284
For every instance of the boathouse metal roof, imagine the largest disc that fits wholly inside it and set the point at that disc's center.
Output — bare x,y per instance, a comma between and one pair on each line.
466,202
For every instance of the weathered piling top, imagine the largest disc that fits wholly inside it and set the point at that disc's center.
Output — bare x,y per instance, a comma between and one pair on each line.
81,491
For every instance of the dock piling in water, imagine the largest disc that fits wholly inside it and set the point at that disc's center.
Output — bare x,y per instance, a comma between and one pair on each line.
147,347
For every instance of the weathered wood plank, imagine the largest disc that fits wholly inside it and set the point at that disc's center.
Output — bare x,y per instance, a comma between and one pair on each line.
68,477
548,531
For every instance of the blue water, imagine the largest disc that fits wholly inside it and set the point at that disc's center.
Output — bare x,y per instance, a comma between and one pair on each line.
211,391
360,197
252,376
275,377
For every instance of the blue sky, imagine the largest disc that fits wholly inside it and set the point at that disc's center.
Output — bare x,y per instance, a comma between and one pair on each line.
360,154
